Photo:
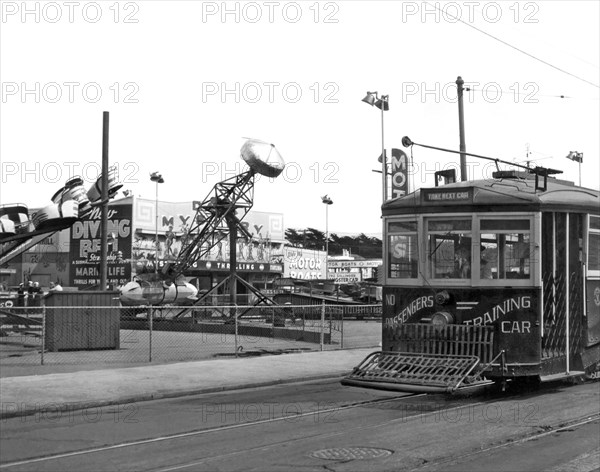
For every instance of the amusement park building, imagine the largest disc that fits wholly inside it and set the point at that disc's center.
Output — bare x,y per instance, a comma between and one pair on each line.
71,256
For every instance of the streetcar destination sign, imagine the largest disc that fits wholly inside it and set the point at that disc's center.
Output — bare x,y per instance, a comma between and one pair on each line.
447,196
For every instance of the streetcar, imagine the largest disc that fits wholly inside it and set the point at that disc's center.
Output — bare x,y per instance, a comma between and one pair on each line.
488,281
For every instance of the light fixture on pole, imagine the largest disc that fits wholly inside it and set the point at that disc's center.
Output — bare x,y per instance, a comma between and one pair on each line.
327,201
383,103
157,178
576,157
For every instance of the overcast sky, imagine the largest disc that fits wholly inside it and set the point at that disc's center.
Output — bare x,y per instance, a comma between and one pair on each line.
185,82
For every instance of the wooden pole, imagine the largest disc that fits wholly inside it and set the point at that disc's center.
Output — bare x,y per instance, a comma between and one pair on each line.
104,206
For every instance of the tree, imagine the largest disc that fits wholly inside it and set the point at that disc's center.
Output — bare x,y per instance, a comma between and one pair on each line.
311,238
293,237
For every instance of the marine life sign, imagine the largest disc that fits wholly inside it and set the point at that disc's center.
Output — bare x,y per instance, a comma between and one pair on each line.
85,247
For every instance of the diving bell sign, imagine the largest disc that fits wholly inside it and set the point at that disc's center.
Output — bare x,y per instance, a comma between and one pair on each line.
399,173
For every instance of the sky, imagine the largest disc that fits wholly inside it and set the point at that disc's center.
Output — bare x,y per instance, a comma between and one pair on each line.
186,82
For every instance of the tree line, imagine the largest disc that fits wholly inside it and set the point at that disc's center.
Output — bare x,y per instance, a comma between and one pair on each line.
311,238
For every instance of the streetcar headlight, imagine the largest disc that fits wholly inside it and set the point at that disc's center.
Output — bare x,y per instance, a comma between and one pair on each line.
443,297
442,318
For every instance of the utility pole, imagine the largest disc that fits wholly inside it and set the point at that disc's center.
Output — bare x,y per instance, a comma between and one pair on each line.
461,130
104,205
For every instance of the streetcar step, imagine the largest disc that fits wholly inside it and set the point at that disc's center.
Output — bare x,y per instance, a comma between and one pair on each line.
415,372
561,375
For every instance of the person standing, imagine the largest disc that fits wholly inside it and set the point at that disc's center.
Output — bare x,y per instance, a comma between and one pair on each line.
55,287
34,294
21,295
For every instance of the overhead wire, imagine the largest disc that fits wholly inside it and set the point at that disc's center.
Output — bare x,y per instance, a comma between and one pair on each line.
514,47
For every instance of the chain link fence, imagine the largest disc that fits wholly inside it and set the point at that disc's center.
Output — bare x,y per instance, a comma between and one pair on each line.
108,335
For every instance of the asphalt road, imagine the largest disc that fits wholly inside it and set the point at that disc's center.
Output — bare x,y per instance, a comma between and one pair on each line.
316,425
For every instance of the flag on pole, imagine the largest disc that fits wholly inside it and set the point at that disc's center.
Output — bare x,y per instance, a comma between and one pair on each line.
575,156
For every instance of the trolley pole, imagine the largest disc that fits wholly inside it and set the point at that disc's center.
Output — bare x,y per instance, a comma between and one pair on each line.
461,130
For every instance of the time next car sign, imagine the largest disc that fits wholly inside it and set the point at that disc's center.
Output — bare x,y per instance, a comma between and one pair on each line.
442,196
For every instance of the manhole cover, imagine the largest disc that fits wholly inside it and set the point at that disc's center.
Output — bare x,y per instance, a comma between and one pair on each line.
351,453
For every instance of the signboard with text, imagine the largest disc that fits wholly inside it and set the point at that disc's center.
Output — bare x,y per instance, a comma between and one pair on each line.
447,197
85,247
354,264
399,173
345,277
178,217
222,266
301,263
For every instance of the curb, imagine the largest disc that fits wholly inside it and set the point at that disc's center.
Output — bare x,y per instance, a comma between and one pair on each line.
54,407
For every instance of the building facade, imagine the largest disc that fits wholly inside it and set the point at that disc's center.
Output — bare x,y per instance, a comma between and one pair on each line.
141,233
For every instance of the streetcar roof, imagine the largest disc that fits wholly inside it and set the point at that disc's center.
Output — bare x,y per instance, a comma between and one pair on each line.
497,194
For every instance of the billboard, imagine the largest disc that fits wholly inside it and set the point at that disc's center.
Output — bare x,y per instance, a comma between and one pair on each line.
263,251
85,247
180,217
399,173
300,263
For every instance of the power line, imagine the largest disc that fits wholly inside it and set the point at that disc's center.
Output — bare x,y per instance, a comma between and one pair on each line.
514,47
533,95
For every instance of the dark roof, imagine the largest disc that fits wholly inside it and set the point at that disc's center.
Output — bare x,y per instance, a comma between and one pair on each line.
497,195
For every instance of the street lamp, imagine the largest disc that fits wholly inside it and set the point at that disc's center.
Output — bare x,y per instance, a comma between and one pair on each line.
383,103
327,201
158,179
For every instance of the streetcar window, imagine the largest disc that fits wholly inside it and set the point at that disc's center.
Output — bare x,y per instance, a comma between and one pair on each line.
594,246
402,226
594,252
402,250
505,253
449,248
504,225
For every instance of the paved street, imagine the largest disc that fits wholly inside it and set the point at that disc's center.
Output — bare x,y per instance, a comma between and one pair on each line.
311,425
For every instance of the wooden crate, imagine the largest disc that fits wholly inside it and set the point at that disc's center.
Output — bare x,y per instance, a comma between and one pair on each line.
82,320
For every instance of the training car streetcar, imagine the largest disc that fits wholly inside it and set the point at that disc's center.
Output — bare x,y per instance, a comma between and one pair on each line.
488,280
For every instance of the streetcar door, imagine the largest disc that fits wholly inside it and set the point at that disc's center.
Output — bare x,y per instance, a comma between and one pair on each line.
593,282
563,282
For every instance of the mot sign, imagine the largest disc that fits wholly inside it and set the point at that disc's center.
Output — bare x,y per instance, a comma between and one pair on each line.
399,173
